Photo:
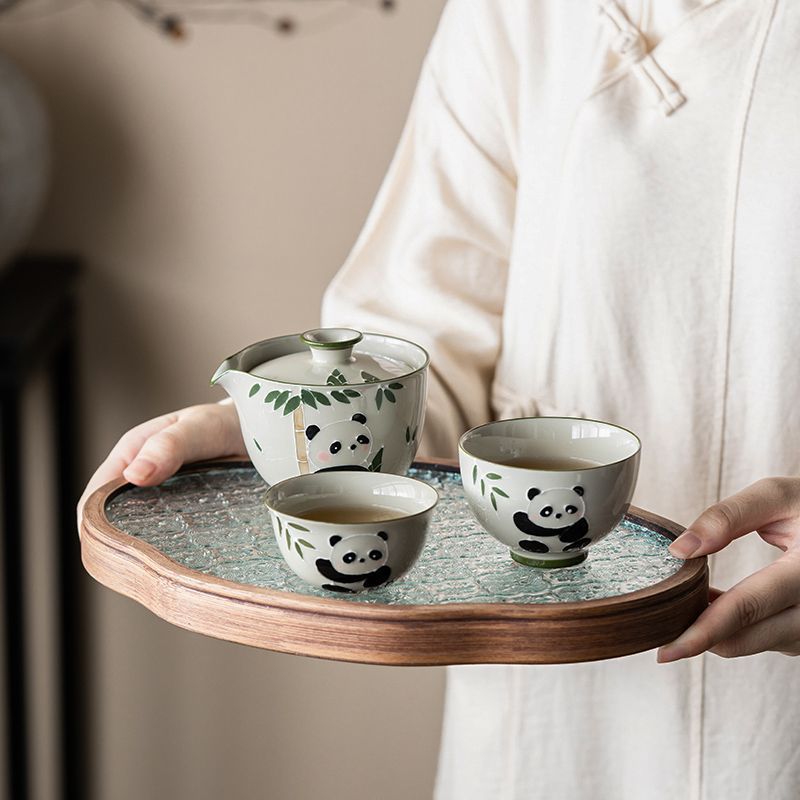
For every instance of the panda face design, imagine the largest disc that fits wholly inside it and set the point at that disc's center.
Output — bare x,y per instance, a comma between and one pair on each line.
556,508
340,445
554,515
359,554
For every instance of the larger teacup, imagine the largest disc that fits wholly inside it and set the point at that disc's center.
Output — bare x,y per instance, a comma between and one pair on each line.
549,487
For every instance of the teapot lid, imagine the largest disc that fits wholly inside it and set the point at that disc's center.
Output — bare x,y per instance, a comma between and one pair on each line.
342,357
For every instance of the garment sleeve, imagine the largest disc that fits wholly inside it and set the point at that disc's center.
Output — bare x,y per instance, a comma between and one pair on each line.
430,264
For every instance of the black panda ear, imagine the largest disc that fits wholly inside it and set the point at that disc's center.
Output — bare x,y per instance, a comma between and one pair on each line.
532,492
578,490
383,535
359,418
312,431
332,541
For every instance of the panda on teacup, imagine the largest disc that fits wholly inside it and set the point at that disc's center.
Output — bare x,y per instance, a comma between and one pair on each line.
359,561
343,445
554,512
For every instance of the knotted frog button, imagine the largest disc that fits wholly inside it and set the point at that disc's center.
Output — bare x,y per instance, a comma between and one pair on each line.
629,44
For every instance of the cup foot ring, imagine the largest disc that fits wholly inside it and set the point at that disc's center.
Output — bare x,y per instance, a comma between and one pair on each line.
542,563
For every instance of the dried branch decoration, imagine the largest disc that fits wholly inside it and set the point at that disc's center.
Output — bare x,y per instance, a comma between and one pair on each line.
174,18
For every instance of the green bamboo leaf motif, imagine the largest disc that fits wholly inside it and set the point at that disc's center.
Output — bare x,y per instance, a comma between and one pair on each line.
299,551
408,435
255,389
291,405
298,527
395,385
280,526
288,540
494,491
369,378
379,399
336,378
321,399
351,393
258,446
308,398
389,395
377,462
338,396
307,544
414,435
271,396
281,399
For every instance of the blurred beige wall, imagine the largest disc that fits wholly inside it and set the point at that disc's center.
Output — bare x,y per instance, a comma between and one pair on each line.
214,187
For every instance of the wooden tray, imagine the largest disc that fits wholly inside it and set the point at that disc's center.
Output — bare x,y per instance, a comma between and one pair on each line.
199,552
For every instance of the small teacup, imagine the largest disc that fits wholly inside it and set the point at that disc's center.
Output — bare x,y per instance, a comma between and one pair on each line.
549,487
350,531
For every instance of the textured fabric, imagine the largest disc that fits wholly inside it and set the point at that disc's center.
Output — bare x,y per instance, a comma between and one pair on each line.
563,242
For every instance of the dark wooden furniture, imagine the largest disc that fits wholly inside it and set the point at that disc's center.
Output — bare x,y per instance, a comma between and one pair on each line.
38,330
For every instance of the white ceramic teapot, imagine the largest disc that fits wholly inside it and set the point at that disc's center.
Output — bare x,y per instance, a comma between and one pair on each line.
328,399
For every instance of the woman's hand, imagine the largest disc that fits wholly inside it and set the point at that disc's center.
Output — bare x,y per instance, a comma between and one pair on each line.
762,612
151,452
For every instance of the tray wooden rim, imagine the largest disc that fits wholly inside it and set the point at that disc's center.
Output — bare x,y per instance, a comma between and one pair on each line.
382,633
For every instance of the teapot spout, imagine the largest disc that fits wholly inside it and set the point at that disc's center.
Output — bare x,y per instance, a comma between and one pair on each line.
238,384
222,375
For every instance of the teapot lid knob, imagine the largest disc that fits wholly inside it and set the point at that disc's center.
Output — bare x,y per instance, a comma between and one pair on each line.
331,345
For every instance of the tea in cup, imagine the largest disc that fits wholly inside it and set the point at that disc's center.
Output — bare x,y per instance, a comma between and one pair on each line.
549,487
350,531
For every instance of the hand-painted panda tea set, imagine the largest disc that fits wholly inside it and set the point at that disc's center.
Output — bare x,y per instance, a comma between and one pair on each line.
331,419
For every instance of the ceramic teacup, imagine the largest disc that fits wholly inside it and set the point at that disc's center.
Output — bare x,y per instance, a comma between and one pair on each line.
350,531
549,487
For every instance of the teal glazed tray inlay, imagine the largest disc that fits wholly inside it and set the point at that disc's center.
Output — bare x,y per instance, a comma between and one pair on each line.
214,521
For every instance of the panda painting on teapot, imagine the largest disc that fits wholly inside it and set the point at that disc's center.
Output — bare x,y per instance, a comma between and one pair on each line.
327,400
340,445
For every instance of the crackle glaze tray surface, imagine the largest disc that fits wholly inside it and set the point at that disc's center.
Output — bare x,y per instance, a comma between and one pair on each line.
199,550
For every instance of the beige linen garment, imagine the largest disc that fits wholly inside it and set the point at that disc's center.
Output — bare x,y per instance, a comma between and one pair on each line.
583,220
